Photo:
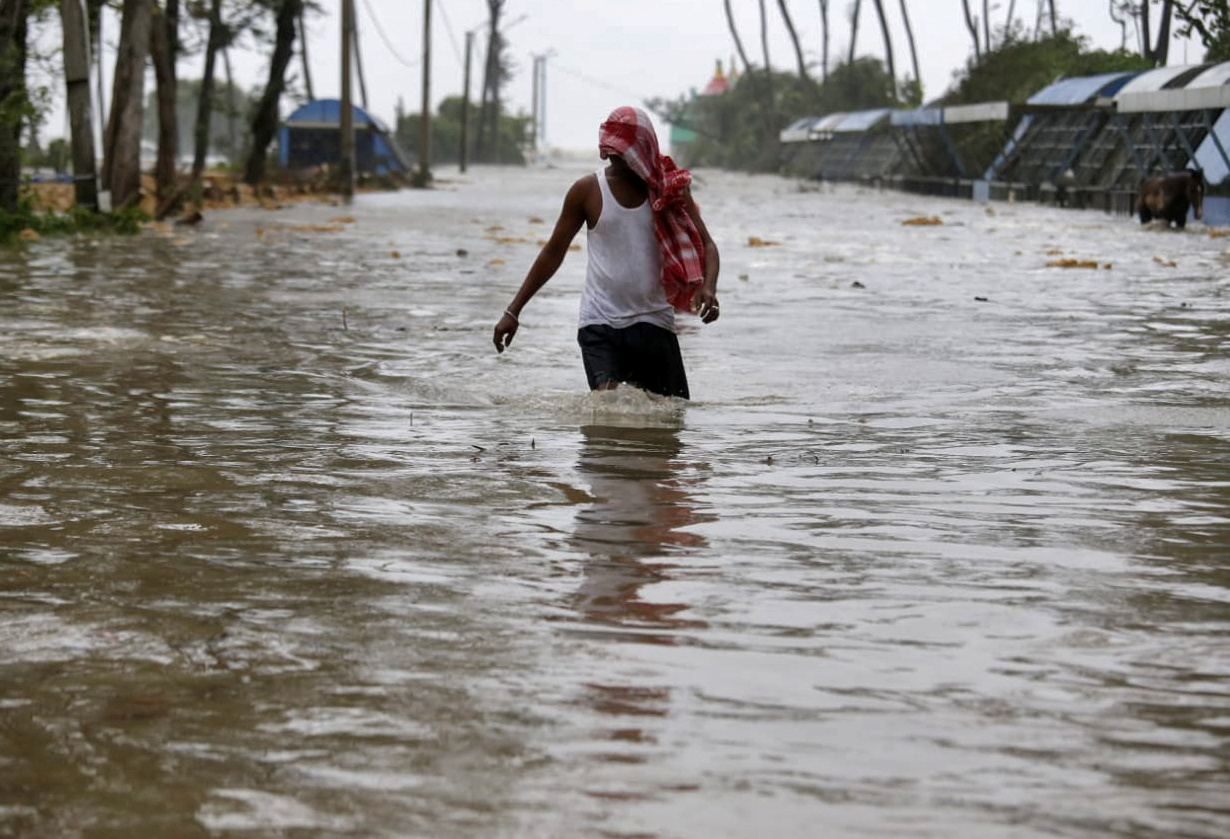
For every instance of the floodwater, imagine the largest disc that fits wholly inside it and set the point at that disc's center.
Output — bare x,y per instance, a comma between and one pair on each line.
941,548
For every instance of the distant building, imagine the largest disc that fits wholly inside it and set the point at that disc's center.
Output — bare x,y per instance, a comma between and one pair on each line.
682,135
311,136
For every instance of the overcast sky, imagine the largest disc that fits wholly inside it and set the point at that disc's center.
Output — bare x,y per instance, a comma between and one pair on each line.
603,54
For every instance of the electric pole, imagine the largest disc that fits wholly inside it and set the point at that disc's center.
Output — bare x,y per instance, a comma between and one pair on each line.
424,174
346,165
465,103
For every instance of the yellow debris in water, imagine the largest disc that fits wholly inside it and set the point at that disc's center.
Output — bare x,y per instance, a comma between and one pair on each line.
923,221
757,242
342,219
1072,263
28,234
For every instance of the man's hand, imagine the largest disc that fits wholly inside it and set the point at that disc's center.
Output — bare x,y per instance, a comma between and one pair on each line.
705,303
504,331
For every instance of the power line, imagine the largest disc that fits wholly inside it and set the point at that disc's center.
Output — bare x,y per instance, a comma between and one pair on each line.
452,36
383,37
596,82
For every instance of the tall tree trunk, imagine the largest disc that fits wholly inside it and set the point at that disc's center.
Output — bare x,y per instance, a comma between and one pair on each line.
94,8
1054,19
13,31
265,118
986,24
909,37
854,13
734,34
303,54
1160,51
122,145
824,40
232,143
794,40
972,25
163,49
890,59
764,48
205,101
77,98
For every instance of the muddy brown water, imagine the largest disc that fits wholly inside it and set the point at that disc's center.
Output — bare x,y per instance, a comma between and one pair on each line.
939,549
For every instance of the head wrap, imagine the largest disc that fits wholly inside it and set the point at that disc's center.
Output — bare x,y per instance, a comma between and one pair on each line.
628,133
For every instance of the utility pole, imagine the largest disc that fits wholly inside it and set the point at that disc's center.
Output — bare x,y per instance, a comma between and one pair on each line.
346,165
424,174
534,106
77,90
465,104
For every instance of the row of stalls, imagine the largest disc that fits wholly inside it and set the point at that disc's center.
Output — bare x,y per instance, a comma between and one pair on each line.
1082,142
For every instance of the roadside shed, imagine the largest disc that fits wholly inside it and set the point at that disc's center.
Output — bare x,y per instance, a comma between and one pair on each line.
311,136
845,146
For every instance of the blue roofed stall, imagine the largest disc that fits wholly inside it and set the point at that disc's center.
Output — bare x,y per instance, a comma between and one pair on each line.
311,137
845,146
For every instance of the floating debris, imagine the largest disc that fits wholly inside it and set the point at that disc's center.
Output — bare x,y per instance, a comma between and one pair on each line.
923,221
1169,263
28,234
757,242
342,219
535,220
1073,263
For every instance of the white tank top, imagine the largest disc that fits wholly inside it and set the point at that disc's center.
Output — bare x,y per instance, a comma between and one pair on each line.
623,283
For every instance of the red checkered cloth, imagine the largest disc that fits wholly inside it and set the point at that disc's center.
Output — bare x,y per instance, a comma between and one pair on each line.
629,134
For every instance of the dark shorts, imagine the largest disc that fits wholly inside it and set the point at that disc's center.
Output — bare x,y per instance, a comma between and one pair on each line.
642,354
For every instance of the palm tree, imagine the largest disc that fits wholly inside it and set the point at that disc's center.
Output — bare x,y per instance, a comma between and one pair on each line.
734,34
888,44
824,34
971,23
909,36
794,39
858,4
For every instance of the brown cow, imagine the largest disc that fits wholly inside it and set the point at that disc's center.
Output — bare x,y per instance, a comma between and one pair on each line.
1168,197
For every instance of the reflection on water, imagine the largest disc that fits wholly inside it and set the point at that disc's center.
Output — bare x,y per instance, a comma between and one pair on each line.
635,531
938,551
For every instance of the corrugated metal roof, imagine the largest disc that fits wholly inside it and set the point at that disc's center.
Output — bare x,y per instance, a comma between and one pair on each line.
861,120
1153,80
1077,91
1216,75
327,111
918,116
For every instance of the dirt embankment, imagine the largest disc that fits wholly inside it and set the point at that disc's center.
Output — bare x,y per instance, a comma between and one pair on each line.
218,191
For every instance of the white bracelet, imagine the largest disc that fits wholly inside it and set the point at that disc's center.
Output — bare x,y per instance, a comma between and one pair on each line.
514,317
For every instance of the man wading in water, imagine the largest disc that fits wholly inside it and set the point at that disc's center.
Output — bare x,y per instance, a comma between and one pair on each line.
649,254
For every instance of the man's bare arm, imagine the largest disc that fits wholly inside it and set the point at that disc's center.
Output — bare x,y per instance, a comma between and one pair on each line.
549,259
705,300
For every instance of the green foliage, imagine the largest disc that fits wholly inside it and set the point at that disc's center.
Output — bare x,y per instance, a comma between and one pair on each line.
1210,20
446,134
229,104
1020,68
740,129
127,221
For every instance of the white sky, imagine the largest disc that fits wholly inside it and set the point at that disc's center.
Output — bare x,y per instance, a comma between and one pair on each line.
605,54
